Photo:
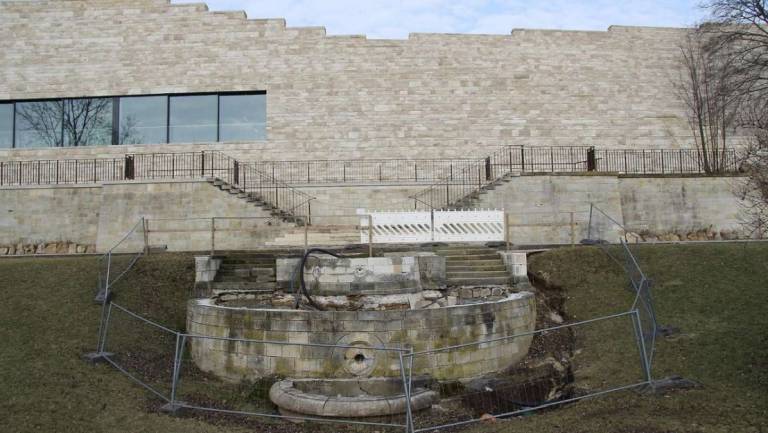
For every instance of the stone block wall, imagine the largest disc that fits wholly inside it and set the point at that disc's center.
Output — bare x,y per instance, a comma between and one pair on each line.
368,331
348,97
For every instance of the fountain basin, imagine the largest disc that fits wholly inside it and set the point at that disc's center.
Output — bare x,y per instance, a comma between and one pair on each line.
352,398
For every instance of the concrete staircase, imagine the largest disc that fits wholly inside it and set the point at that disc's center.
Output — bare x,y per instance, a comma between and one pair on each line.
255,200
246,271
473,265
471,200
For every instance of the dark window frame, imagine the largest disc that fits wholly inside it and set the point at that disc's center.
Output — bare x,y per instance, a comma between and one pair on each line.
115,101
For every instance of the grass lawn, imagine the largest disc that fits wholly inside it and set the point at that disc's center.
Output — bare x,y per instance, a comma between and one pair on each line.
716,293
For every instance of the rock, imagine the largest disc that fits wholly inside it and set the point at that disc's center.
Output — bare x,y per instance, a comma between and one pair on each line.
80,249
71,248
465,293
19,249
482,292
90,249
431,295
11,249
488,418
3,251
51,248
553,316
497,291
633,238
61,247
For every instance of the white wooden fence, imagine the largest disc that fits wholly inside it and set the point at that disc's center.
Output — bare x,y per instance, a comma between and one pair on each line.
432,226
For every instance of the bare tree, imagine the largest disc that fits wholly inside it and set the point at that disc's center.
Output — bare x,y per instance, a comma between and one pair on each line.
71,122
738,36
705,87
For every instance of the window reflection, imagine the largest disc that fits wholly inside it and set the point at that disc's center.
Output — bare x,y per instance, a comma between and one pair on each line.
193,119
87,122
38,124
143,120
243,117
6,126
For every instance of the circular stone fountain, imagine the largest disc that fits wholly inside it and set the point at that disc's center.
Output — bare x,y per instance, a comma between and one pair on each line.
344,353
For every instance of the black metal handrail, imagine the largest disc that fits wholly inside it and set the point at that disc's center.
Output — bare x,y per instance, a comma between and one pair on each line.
363,170
283,198
455,190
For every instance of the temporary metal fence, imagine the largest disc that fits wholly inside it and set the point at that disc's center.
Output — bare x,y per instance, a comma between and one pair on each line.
120,258
611,236
175,367
466,225
549,374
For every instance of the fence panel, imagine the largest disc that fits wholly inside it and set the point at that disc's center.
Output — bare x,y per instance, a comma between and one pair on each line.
141,349
249,388
548,374
469,225
397,227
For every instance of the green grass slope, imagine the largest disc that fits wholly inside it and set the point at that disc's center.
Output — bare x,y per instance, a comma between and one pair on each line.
717,294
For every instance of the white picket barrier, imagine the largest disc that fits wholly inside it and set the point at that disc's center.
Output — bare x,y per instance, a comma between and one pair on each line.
438,225
469,225
397,227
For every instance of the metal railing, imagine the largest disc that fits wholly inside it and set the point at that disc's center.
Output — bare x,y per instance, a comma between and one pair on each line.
285,200
461,186
363,170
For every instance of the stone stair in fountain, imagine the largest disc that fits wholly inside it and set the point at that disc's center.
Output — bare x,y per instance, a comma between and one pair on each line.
246,271
473,265
255,200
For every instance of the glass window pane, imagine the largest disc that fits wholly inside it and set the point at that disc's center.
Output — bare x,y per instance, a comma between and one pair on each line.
143,120
243,117
38,124
88,122
193,119
6,126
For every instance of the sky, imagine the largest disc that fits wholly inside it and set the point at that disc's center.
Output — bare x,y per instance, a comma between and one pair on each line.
394,19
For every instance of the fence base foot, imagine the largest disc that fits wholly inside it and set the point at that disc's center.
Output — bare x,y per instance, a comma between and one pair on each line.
667,331
96,357
101,298
172,408
661,386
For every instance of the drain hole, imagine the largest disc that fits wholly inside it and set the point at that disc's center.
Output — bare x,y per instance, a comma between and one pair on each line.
359,357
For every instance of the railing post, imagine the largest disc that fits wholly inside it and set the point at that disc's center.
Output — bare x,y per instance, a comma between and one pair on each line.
662,161
643,161
488,168
370,235
573,231
681,160
591,159
213,236
145,226
522,158
552,158
506,232
202,163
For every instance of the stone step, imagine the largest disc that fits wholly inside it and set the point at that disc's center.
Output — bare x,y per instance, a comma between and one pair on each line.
243,285
496,261
484,281
247,271
465,268
241,279
475,274
465,257
464,251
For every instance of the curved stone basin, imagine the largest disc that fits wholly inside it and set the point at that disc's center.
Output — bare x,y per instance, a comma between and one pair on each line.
289,343
370,397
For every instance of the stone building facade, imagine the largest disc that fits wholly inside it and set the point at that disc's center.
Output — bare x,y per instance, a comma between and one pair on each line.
348,97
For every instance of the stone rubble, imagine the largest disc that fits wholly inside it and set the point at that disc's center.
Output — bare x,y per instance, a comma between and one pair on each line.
61,247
